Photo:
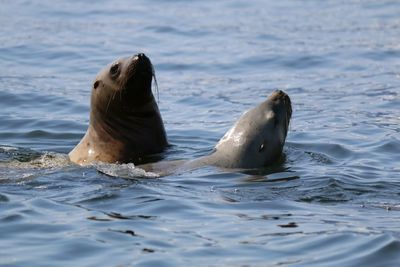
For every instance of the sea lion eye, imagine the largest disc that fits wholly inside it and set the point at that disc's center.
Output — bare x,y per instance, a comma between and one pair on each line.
114,69
96,84
261,148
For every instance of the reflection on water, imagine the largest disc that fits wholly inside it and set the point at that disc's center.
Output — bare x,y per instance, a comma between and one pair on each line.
333,200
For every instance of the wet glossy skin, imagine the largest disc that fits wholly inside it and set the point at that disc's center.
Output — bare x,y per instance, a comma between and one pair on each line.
257,138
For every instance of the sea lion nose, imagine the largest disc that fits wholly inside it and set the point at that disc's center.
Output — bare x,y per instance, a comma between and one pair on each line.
284,97
139,56
141,59
140,63
278,95
281,93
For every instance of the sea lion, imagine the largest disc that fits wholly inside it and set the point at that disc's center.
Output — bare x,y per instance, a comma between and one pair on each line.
125,122
255,140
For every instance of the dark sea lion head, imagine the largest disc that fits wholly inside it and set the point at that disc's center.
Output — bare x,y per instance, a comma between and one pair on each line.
124,85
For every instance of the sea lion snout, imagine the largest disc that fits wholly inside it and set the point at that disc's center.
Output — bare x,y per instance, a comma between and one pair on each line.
141,56
279,95
140,63
281,102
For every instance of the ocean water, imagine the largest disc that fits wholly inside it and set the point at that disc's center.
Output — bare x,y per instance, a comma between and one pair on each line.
334,201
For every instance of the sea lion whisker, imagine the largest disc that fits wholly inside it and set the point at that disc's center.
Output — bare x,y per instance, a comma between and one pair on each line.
153,74
156,86
109,101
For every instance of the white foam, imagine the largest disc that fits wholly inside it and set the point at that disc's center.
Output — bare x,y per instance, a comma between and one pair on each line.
51,160
127,171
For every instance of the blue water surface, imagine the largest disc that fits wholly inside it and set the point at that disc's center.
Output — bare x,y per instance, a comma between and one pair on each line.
334,201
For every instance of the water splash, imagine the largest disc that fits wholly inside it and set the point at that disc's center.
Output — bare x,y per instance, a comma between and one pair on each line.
127,171
19,164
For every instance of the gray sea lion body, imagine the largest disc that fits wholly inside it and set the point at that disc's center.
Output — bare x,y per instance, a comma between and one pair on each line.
125,122
255,140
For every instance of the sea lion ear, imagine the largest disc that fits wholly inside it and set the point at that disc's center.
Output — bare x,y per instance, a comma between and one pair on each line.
96,84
